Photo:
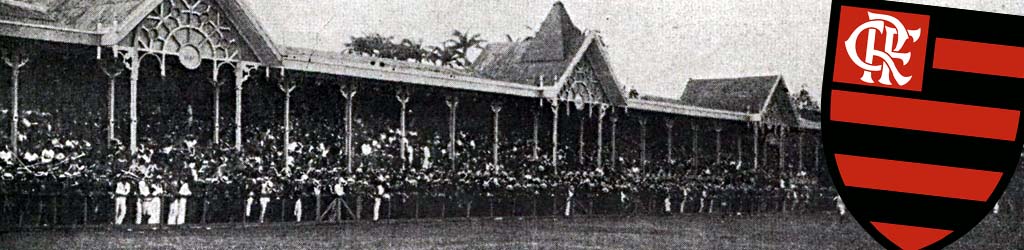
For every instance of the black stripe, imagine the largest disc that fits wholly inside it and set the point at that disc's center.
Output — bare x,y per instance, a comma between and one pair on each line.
912,209
973,89
954,87
922,147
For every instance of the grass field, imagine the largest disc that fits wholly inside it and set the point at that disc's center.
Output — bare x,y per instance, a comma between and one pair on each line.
816,231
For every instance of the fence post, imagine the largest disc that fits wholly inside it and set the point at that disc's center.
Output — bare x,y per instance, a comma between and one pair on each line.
85,210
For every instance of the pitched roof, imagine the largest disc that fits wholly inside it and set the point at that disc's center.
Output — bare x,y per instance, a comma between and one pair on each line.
536,61
69,14
503,61
108,22
745,94
557,39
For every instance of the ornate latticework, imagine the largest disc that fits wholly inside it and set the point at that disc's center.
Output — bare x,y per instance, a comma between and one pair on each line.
178,25
583,86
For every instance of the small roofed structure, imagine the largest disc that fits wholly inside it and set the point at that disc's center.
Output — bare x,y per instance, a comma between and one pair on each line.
538,60
767,97
570,63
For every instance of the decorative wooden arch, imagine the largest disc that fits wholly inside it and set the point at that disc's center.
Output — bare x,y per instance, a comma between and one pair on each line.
192,30
583,86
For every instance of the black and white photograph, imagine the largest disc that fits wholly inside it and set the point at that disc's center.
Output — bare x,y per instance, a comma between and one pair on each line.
441,124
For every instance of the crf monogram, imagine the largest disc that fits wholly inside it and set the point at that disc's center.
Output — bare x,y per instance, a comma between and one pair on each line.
884,60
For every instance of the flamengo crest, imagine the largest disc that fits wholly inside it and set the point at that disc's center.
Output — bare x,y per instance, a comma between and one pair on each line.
921,118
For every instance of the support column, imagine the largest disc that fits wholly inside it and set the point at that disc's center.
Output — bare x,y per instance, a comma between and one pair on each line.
403,99
643,142
242,70
739,149
112,72
614,153
496,109
217,83
718,144
695,135
453,104
348,92
669,125
554,134
817,154
601,112
287,86
535,152
581,154
757,127
782,147
132,62
15,60
800,148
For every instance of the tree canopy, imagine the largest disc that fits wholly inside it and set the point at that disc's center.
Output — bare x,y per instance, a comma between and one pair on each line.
453,52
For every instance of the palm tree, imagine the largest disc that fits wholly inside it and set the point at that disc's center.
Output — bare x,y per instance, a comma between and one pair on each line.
444,56
462,43
372,45
411,50
804,101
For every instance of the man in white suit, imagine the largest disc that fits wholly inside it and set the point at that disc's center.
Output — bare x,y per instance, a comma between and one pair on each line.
121,190
141,202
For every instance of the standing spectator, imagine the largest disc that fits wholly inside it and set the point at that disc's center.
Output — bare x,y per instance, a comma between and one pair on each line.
183,193
155,201
426,158
250,198
377,196
298,189
266,190
339,192
120,199
711,200
703,197
377,201
568,201
172,213
841,206
316,195
684,199
141,200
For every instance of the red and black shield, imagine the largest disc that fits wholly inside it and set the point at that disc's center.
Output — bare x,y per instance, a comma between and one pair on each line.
922,111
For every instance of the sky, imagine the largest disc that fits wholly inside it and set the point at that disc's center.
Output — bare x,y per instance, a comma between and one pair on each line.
654,45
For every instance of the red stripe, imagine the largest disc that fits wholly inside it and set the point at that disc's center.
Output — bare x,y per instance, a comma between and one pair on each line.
930,116
917,178
979,58
910,237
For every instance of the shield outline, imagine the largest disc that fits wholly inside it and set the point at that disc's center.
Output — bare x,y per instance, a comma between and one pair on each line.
826,101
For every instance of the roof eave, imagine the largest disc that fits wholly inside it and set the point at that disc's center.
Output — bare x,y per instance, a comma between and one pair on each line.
771,93
252,31
343,67
49,33
553,91
686,110
591,38
113,37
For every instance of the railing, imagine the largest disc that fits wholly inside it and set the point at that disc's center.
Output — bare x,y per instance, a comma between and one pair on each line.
34,210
